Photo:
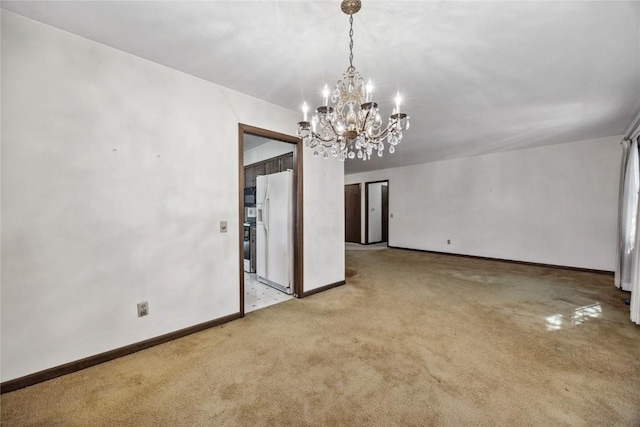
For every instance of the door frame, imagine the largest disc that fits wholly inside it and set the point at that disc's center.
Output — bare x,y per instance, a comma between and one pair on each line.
366,211
298,288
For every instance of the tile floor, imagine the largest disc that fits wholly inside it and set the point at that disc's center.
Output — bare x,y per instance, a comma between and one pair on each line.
348,246
258,295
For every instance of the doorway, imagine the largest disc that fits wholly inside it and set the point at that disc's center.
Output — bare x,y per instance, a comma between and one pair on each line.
270,177
376,212
353,213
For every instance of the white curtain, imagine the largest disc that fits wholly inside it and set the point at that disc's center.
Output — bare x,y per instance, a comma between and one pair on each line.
621,212
628,209
627,273
635,264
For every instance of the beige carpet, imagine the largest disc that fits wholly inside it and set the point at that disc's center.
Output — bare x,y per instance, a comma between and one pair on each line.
412,339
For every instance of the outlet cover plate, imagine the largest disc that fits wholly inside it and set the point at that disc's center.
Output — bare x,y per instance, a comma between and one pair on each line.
143,309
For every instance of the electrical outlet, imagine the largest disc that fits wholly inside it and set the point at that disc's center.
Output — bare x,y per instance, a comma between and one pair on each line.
143,309
223,226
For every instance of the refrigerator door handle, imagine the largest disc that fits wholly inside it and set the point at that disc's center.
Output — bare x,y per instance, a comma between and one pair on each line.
266,214
266,207
265,224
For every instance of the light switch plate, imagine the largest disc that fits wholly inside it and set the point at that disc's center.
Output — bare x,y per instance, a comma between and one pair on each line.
223,226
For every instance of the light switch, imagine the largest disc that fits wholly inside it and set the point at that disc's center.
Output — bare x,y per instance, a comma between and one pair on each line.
223,226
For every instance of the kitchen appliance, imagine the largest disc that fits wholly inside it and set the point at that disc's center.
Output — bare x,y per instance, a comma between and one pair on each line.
274,230
249,247
250,196
250,215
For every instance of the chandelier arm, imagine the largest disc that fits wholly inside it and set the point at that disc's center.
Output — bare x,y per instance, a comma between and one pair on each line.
382,135
333,129
321,140
364,122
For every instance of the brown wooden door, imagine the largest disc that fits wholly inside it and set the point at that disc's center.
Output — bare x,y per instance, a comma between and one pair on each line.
352,214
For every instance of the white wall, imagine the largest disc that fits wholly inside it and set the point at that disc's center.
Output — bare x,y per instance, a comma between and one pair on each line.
324,211
554,205
267,151
116,172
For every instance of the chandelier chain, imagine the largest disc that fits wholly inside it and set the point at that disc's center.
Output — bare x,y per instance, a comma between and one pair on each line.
350,41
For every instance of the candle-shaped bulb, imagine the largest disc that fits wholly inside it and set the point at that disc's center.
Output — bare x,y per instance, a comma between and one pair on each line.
369,90
314,119
325,95
398,102
305,110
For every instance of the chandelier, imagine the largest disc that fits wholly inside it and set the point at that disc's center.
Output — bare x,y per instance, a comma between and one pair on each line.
353,124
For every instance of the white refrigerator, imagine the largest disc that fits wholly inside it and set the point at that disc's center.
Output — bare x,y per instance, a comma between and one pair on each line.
274,230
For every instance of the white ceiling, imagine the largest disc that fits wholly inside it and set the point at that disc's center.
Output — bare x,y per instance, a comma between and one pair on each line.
477,77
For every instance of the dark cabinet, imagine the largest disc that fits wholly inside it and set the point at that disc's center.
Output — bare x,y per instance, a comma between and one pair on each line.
272,166
249,177
260,169
287,163
251,172
267,167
